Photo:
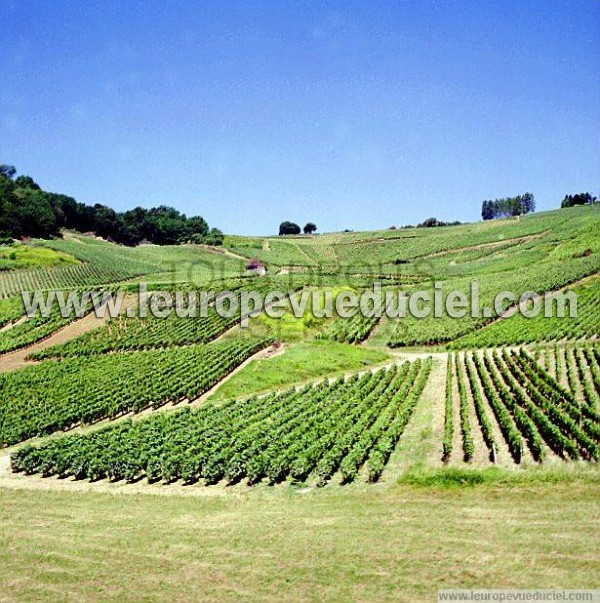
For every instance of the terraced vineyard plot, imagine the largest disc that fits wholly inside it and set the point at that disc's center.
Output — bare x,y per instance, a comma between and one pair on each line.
62,277
406,244
128,334
576,366
530,408
104,263
542,277
11,310
313,433
518,329
349,330
60,394
30,331
323,254
272,251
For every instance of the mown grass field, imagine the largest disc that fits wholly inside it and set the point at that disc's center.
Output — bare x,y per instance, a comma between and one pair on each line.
398,544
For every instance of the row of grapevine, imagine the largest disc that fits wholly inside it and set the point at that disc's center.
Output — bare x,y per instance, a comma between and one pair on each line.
316,432
480,409
518,329
465,422
385,445
11,310
527,404
583,414
592,356
349,330
30,331
449,412
61,277
576,365
503,407
514,403
559,430
128,334
57,395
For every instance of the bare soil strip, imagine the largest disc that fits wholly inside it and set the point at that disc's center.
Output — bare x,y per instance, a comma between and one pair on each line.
13,361
421,439
13,323
549,454
434,392
223,251
491,245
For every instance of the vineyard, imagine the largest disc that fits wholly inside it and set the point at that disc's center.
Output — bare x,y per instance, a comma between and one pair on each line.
510,407
128,334
57,395
31,330
124,333
517,405
351,330
104,263
71,276
11,310
387,248
464,332
518,329
576,367
347,428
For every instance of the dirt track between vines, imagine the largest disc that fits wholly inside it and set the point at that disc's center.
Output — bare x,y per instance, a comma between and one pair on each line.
12,361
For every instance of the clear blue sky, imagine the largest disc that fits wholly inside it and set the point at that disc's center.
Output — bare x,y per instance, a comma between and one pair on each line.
349,114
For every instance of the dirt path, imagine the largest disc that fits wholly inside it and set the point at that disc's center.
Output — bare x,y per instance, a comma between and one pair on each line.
8,326
481,454
490,245
421,440
13,361
17,359
434,392
224,251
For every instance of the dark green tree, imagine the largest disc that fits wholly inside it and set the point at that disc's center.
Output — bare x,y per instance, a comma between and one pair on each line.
35,215
578,199
289,228
8,171
26,182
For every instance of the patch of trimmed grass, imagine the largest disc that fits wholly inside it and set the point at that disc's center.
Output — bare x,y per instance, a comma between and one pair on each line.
299,362
339,544
19,256
451,477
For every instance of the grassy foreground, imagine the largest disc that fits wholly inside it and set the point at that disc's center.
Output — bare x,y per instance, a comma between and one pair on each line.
366,543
